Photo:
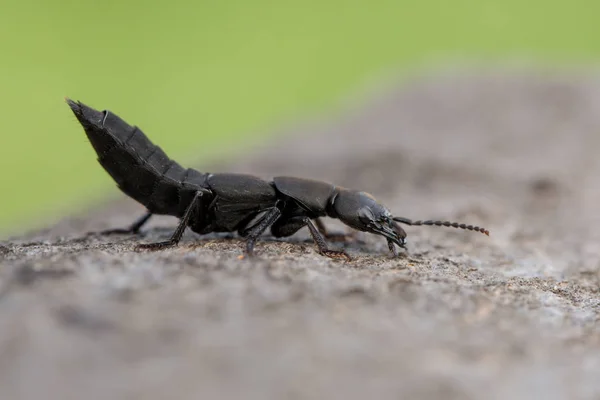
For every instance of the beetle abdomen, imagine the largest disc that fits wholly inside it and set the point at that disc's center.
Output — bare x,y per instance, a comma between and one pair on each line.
141,169
314,196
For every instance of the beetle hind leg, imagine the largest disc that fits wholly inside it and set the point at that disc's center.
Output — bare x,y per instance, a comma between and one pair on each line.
133,229
183,223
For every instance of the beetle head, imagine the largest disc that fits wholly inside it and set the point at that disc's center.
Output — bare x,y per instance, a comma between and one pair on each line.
361,211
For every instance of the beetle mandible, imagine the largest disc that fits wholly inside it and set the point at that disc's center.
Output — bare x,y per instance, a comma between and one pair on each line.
225,202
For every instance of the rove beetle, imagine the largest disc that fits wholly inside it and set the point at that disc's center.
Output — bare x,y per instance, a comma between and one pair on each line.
225,202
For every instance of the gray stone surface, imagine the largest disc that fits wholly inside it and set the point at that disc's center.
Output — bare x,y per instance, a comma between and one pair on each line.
515,315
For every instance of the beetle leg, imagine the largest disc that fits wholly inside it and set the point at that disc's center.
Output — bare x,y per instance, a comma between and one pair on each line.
268,219
392,248
335,237
287,226
176,237
133,228
322,245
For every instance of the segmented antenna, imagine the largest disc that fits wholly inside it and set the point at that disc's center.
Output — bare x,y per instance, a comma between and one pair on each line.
442,223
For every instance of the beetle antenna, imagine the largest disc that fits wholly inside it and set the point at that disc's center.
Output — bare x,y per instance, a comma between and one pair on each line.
442,223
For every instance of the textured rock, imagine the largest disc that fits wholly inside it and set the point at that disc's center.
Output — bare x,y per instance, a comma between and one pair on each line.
515,315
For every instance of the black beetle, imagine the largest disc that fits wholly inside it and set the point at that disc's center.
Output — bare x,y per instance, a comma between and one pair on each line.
226,202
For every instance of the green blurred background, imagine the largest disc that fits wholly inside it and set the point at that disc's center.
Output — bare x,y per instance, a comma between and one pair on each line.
205,78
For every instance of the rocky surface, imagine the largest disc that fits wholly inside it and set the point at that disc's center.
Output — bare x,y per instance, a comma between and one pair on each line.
514,315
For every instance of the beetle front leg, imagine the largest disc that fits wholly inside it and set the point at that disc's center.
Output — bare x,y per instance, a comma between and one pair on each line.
322,245
336,237
392,248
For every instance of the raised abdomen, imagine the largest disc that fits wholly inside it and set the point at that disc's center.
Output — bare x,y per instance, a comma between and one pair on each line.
141,169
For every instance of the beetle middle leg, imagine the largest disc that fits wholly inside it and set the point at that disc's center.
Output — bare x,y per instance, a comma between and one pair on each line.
267,220
176,237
